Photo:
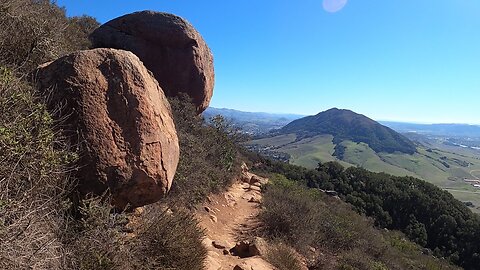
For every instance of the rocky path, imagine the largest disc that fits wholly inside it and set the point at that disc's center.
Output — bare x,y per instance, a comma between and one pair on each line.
227,216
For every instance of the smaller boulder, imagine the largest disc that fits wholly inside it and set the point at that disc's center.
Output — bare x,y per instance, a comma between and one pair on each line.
255,188
258,247
249,248
245,177
241,249
208,209
257,184
258,179
241,266
255,198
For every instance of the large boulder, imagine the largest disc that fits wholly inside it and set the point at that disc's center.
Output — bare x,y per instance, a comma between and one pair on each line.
169,46
115,112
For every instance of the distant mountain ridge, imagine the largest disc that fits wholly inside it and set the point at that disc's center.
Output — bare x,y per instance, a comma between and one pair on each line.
252,122
455,130
348,125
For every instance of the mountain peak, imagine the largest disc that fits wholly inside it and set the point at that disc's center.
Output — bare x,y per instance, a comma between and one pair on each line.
334,110
347,125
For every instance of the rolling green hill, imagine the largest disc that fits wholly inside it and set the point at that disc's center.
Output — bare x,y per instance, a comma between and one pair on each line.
346,125
356,140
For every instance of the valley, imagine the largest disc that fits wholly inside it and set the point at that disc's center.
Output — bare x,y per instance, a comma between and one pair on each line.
443,154
444,166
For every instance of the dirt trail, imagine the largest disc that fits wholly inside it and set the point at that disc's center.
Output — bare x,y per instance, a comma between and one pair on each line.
225,217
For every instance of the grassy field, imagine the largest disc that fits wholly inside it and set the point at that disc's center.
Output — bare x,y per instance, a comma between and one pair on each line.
359,154
307,152
444,166
468,196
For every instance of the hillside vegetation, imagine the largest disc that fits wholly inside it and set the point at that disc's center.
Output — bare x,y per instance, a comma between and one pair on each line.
431,217
331,235
46,224
347,125
35,32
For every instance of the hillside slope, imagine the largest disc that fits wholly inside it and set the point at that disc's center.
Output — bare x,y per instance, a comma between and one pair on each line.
252,227
355,140
348,125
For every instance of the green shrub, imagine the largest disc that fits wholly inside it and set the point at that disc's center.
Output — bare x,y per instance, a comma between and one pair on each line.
94,240
323,222
33,179
208,156
281,218
33,32
355,260
283,257
159,239
169,240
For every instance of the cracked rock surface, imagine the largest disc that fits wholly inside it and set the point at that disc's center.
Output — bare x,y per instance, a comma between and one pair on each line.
114,111
169,47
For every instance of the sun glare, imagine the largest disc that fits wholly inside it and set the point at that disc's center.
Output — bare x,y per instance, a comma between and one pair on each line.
333,6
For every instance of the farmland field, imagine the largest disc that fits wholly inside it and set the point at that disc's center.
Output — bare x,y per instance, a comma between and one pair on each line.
439,165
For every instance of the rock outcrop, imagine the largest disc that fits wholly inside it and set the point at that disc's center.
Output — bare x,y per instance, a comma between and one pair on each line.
249,248
169,46
115,112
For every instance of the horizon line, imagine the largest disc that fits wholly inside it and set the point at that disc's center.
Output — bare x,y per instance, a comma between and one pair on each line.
378,120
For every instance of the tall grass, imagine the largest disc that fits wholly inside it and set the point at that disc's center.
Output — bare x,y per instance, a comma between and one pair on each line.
33,32
33,180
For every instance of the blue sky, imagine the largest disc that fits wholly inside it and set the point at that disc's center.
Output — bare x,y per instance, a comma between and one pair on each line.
404,60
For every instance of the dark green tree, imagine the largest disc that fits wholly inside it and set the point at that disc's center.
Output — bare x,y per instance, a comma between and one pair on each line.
416,231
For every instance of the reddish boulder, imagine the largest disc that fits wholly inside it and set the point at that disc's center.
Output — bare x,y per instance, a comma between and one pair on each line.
115,112
169,46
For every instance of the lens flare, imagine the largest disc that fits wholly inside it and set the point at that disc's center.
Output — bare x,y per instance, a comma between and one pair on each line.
334,5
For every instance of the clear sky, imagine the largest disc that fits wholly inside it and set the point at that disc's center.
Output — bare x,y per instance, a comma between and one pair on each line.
405,60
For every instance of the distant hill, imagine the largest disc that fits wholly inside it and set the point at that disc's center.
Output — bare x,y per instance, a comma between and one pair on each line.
252,122
354,140
454,130
347,125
